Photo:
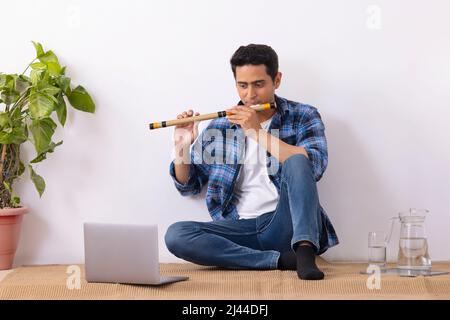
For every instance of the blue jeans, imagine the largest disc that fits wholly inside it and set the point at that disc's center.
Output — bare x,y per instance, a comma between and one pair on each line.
256,243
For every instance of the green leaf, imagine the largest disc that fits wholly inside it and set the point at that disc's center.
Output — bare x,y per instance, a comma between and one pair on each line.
25,129
14,135
50,90
39,158
25,78
49,56
7,186
21,169
22,84
39,183
42,131
37,75
54,68
39,49
4,119
7,82
52,63
80,99
55,101
64,83
43,155
16,117
61,110
10,96
2,80
38,65
15,200
41,106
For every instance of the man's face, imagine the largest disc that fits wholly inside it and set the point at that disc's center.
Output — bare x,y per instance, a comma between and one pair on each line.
254,85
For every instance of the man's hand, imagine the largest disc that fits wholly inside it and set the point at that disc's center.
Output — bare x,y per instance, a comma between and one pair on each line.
245,116
185,134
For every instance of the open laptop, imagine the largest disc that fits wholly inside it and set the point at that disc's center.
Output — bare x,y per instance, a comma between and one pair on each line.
120,253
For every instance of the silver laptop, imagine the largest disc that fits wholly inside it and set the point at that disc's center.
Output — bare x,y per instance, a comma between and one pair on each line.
119,253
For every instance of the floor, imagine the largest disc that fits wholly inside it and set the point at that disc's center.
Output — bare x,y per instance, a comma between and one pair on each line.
3,274
342,281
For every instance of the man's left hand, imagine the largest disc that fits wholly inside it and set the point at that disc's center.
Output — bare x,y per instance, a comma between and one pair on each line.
244,116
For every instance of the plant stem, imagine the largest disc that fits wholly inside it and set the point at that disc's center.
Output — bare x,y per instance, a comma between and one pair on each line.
2,161
28,66
3,156
25,94
19,104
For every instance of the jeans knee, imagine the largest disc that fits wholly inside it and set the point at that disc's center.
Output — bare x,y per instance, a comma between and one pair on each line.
176,237
295,165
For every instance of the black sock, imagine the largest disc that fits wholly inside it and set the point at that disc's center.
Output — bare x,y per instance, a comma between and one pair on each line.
287,261
306,264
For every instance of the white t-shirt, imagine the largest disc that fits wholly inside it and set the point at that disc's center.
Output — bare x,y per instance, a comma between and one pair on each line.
255,192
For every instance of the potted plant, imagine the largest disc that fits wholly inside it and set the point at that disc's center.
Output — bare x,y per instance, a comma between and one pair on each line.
27,104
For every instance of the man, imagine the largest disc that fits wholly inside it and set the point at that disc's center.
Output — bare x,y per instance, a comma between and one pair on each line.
263,218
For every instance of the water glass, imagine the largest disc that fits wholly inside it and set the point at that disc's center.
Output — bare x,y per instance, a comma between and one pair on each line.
377,248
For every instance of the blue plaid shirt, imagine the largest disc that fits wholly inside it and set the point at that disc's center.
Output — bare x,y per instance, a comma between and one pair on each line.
298,124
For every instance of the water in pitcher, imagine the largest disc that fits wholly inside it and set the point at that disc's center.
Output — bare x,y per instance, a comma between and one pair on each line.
413,254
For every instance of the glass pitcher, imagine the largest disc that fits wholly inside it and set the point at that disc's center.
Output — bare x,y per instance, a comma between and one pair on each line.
413,246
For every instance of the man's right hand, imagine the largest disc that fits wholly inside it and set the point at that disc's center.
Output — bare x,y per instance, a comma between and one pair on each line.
185,134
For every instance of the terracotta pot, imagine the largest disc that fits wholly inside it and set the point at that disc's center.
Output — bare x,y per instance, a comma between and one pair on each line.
10,225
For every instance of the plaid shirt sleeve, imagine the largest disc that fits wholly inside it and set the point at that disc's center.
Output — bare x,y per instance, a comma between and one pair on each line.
198,174
311,136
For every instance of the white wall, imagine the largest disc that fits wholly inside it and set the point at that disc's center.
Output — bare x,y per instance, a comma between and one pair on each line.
381,85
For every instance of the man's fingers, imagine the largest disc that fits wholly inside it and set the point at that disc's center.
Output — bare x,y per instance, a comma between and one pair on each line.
245,109
234,111
232,108
238,115
234,118
187,114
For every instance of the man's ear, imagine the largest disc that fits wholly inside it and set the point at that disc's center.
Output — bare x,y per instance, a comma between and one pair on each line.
278,79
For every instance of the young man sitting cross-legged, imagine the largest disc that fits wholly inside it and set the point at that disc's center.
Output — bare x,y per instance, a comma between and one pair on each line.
262,195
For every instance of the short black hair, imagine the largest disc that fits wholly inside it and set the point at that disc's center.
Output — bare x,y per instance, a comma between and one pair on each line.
256,54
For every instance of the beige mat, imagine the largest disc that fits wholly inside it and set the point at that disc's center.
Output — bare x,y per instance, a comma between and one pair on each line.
342,281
